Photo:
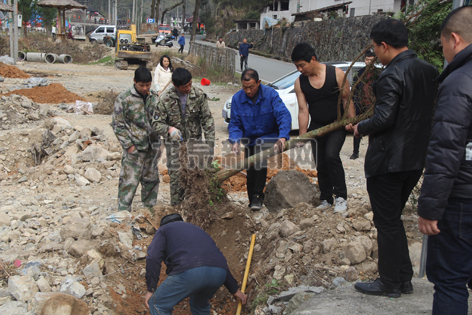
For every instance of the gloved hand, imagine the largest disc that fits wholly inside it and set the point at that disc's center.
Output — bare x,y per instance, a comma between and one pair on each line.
175,134
279,145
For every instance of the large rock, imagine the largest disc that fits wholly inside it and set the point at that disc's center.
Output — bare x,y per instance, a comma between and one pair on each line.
367,243
288,228
93,175
287,189
13,308
81,181
355,252
23,288
63,304
92,153
361,225
4,219
77,228
80,248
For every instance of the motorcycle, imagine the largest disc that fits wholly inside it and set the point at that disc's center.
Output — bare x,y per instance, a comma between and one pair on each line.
164,40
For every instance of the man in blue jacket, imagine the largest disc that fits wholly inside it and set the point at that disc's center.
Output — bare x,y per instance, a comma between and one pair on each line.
244,53
181,42
445,204
259,118
195,268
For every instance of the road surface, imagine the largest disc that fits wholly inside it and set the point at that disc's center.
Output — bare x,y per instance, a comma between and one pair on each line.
268,69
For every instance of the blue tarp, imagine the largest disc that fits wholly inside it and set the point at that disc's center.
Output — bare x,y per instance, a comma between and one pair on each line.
269,22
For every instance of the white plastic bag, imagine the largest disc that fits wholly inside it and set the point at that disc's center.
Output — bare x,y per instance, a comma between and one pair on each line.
81,108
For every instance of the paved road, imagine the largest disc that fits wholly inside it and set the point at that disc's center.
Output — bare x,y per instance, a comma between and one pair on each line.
268,69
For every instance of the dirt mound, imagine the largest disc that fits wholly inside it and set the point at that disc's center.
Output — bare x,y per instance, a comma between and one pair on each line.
107,103
53,93
12,72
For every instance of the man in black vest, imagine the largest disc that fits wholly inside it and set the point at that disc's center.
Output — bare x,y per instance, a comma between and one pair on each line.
319,86
398,139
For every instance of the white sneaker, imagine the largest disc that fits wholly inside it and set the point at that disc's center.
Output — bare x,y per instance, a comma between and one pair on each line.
340,205
324,205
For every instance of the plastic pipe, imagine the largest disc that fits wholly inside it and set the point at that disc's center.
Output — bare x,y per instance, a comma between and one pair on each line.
64,58
246,272
51,58
35,57
21,56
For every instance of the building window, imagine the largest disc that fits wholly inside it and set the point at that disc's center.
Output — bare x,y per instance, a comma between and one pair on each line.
274,6
353,12
274,16
284,6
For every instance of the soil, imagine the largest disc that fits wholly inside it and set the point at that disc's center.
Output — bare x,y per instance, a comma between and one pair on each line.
53,93
12,72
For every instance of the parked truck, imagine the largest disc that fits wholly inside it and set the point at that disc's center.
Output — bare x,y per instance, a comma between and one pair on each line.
149,33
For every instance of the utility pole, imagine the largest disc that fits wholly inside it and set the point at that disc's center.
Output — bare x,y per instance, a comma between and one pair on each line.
10,31
183,17
109,11
15,27
116,12
140,19
133,20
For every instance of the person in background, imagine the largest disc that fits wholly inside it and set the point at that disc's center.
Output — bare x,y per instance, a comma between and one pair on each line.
220,43
53,32
181,42
445,203
363,93
196,268
244,53
141,146
398,139
163,74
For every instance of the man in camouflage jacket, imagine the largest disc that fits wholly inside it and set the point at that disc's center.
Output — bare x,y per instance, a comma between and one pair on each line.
182,114
141,147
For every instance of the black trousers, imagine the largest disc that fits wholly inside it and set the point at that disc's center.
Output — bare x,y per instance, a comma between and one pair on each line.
357,143
329,165
243,59
181,50
388,195
256,174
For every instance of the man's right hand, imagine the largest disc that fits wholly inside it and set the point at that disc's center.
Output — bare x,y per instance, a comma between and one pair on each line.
241,296
241,55
175,134
131,149
235,148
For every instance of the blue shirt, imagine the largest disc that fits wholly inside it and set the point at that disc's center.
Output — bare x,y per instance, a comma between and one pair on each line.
181,40
244,49
183,246
268,119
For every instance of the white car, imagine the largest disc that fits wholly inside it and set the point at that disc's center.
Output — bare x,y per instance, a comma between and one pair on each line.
285,87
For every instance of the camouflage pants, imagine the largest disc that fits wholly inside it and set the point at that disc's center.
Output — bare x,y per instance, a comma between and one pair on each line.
139,167
173,166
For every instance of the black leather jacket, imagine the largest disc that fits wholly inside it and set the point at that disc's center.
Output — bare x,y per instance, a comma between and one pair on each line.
400,128
448,172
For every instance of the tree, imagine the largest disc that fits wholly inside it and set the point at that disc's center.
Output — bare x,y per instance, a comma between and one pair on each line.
169,9
27,9
48,15
195,19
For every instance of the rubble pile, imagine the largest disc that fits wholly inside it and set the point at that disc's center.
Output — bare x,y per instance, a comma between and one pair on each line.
19,110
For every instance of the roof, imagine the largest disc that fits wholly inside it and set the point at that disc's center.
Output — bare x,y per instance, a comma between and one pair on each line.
330,8
5,7
65,4
190,20
246,21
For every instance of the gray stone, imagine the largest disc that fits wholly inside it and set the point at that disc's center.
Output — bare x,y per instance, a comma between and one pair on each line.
126,238
43,285
338,282
297,300
92,270
81,181
329,245
288,228
23,179
80,248
31,269
93,175
287,189
287,295
361,225
77,290
351,274
279,272
355,252
367,243
85,133
369,216
4,219
23,288
69,169
92,153
272,309
77,228
13,308
307,223
367,266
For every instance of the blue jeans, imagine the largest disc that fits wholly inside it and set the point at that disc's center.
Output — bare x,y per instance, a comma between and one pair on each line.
449,264
200,284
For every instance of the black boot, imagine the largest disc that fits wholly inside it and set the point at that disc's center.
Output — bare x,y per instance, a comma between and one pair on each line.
256,203
406,287
355,155
377,288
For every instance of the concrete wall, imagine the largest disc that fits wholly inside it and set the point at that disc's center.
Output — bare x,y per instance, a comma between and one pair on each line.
340,39
223,57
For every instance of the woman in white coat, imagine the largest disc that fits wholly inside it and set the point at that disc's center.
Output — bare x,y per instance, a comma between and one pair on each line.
163,74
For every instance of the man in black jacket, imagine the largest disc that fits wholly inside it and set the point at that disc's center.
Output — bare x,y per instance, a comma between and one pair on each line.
195,268
398,133
445,204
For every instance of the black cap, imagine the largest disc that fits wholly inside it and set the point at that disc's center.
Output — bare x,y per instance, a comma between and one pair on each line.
171,218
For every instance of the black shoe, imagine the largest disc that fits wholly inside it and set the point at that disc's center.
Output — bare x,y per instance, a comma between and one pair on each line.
377,288
256,203
355,155
406,287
